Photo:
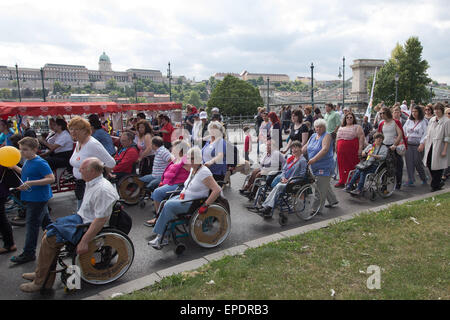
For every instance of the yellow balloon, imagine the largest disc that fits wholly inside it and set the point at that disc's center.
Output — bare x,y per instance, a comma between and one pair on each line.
9,156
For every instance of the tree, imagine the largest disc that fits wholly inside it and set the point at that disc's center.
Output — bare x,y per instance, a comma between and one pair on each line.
234,97
194,99
407,62
111,85
5,93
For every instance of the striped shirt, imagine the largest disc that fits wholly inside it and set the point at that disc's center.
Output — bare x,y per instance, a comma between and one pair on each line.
162,160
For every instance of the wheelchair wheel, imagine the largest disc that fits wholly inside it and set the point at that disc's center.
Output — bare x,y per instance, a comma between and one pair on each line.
130,189
210,229
385,183
110,255
306,202
283,219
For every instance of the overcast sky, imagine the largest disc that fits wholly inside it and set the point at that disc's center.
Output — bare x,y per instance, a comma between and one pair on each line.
201,38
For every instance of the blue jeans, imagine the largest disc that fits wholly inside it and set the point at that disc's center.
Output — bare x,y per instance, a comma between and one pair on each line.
151,180
169,212
160,193
362,176
37,215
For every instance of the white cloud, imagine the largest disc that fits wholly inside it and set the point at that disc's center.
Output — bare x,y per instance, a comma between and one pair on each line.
200,38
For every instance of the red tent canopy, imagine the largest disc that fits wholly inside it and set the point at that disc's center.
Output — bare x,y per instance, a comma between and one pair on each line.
152,106
63,108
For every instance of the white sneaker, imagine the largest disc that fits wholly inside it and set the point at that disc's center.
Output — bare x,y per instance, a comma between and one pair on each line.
157,243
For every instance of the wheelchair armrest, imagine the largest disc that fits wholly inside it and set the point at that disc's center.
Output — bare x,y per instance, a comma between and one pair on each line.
84,225
274,173
297,179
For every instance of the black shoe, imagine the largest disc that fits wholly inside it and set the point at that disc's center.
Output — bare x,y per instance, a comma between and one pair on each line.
267,213
244,192
331,205
22,258
254,209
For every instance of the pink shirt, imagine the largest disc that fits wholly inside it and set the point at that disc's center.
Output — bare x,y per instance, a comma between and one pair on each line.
348,132
175,173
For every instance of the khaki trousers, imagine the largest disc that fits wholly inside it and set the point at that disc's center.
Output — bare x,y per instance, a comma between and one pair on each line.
47,254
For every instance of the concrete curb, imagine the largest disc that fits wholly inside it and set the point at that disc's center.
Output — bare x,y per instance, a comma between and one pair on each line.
151,279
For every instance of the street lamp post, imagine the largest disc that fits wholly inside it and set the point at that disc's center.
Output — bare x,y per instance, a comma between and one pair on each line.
43,87
396,86
312,84
169,76
135,87
268,98
343,83
431,91
18,84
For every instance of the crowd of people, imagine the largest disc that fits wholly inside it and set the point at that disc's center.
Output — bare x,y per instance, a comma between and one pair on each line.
198,158
335,143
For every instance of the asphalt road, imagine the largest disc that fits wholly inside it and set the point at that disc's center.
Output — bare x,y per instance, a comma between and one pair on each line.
246,226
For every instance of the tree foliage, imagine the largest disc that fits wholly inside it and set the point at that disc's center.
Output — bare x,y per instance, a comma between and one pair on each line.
234,97
407,62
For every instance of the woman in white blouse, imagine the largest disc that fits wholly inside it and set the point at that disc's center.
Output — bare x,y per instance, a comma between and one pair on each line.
199,185
415,129
86,147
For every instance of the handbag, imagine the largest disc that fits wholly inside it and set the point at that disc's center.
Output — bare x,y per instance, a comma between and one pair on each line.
400,149
364,165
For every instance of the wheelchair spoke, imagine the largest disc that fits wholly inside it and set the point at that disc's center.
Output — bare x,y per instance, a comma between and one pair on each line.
306,202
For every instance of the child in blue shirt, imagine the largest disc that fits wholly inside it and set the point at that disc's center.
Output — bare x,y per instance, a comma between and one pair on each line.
35,191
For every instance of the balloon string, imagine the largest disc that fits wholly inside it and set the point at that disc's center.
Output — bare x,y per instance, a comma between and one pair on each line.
18,176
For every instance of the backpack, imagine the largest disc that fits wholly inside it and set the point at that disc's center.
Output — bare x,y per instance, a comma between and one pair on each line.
120,219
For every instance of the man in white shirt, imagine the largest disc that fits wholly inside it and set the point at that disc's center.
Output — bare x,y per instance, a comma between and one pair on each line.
405,109
99,198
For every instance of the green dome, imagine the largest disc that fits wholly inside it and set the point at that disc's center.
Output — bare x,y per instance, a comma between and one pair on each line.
104,57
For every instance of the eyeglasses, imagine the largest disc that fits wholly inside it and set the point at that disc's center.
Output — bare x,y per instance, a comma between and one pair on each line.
348,117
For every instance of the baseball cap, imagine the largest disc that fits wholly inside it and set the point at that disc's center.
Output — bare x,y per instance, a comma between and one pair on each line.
203,115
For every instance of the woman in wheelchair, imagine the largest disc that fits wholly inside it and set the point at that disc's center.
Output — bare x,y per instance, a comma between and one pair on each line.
199,185
99,198
295,166
272,161
175,174
373,155
126,157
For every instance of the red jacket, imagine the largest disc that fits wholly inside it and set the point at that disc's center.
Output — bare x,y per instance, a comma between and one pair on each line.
125,159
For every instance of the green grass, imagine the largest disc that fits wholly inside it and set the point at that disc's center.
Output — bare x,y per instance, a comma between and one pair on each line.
414,261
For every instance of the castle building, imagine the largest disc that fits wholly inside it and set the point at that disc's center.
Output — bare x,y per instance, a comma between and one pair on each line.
74,75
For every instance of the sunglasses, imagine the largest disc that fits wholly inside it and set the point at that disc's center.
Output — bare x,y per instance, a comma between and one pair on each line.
381,112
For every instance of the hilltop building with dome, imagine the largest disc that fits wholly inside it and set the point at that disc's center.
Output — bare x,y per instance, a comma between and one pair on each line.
75,75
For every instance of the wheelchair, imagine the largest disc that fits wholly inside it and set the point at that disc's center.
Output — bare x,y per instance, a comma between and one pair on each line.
207,230
300,197
110,254
14,204
382,182
64,180
130,189
262,187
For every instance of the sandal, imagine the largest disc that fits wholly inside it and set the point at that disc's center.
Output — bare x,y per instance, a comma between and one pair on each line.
150,223
8,250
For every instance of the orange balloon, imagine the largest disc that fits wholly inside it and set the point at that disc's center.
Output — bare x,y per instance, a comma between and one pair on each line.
9,156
